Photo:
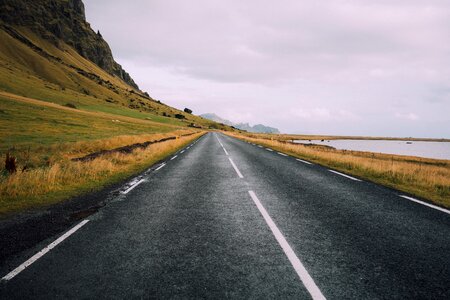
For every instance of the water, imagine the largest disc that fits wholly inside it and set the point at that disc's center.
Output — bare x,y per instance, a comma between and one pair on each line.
438,150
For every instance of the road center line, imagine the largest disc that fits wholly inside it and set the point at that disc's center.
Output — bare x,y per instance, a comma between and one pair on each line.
235,168
160,167
41,253
133,186
282,154
426,204
307,280
304,161
225,150
174,157
349,177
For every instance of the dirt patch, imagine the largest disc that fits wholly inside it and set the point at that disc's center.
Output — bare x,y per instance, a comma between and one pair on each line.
126,149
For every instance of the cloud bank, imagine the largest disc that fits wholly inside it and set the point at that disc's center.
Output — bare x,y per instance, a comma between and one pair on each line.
331,67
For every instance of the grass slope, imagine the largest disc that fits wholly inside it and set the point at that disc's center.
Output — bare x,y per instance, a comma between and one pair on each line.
55,105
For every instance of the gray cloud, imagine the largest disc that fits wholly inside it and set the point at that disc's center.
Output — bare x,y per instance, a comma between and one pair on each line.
338,67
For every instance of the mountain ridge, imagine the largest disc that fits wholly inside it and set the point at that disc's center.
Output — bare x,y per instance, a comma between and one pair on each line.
63,20
258,128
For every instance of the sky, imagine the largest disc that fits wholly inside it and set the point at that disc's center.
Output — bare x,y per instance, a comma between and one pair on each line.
341,67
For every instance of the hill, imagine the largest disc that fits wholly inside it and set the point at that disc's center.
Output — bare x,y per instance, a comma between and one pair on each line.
259,128
62,95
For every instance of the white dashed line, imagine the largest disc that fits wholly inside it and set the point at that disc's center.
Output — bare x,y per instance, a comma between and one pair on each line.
426,204
133,186
282,154
260,146
41,253
174,157
160,167
304,161
268,149
235,168
225,150
182,152
349,177
307,280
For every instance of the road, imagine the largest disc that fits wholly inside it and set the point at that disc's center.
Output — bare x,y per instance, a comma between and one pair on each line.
227,219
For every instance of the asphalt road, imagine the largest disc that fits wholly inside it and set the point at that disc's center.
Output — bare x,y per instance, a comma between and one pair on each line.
227,219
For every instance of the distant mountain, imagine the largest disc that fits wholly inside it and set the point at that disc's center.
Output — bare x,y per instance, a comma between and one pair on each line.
216,118
259,128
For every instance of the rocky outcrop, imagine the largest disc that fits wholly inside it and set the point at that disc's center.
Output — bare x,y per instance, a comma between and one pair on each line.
63,20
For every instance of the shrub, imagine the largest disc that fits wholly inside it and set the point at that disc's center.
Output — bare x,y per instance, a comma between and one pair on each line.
10,164
187,110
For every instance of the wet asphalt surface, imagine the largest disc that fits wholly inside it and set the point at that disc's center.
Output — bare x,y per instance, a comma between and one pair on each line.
191,230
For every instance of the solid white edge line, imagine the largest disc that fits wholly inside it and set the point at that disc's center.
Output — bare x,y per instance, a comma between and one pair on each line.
307,280
133,186
174,157
282,154
304,161
349,177
235,168
44,251
160,167
426,204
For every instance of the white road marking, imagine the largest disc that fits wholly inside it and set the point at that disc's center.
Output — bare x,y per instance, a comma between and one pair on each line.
307,280
225,150
44,251
282,154
268,149
349,177
426,204
182,152
304,161
133,186
174,157
260,146
160,167
235,168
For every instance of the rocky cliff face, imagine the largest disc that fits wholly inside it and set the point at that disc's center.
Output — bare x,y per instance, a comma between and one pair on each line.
63,20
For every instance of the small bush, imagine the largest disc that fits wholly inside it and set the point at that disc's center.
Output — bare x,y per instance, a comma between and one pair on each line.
180,116
187,110
10,164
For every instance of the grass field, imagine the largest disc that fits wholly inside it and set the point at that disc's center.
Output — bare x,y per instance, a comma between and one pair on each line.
426,178
62,178
45,136
56,105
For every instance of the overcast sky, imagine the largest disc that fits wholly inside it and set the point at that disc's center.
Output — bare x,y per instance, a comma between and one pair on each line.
348,67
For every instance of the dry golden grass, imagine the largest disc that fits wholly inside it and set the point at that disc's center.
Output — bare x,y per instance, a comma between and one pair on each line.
425,178
63,178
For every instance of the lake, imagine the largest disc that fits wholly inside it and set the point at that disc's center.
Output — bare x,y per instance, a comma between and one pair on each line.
438,150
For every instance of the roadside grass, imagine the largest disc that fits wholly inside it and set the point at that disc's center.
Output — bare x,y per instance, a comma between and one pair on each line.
426,178
28,124
63,178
